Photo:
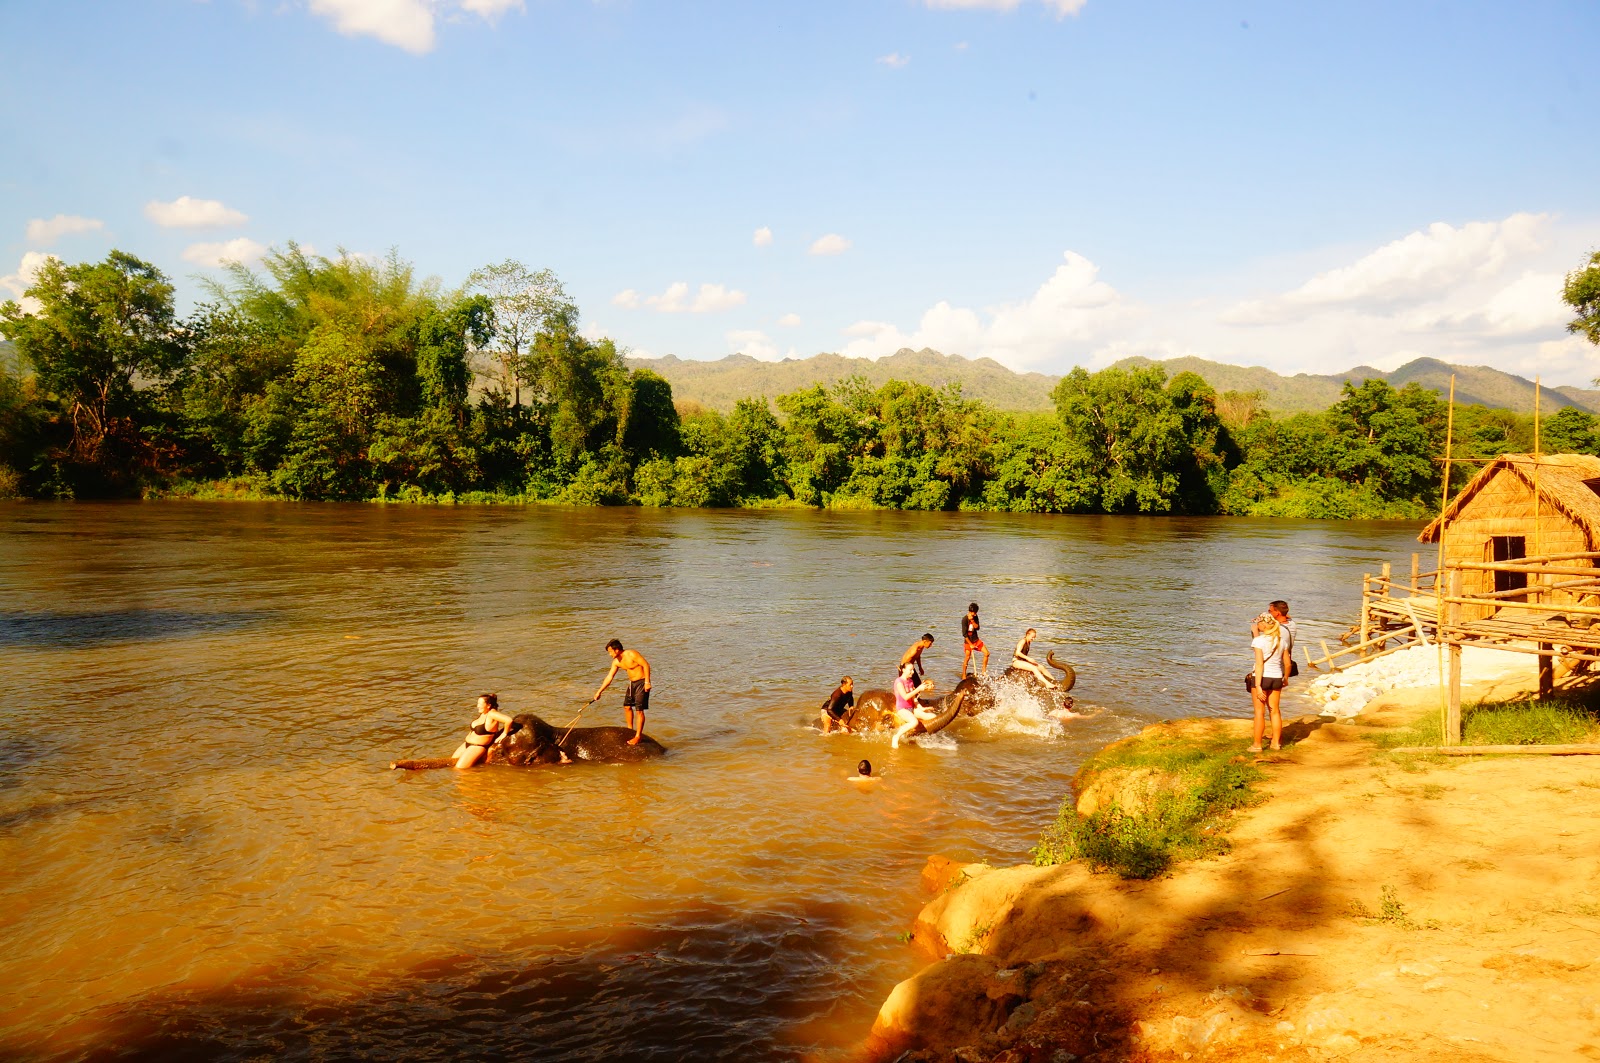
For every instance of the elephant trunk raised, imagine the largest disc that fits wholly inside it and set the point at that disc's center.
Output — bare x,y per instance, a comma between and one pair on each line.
876,707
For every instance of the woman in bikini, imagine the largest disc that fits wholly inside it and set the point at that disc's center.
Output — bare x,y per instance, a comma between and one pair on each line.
907,711
490,726
1020,658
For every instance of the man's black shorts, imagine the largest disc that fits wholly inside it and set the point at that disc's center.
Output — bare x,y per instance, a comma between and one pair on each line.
637,696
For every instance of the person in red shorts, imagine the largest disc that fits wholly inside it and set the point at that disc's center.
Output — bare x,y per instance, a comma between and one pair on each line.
970,641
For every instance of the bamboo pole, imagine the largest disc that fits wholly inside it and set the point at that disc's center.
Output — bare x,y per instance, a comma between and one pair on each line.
1565,610
1452,719
1584,648
1384,590
1538,538
1547,670
1532,570
1576,750
1416,562
1366,627
1438,580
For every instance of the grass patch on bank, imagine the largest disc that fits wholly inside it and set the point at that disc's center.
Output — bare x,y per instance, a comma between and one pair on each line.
1168,798
1558,720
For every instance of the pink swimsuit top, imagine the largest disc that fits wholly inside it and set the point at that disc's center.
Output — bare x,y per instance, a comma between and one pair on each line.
902,687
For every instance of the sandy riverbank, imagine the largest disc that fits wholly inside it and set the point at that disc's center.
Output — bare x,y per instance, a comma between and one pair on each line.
1482,877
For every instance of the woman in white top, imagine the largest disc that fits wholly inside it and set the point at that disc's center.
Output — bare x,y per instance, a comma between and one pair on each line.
1272,652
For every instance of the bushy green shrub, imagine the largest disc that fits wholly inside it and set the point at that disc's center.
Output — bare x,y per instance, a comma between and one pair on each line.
1185,822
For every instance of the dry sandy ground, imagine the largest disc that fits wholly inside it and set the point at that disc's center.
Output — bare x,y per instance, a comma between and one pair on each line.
1263,954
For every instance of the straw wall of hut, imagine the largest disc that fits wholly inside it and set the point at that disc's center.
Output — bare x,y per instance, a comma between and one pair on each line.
1520,506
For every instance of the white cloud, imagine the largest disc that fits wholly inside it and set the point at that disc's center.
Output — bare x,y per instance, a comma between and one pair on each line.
1426,262
18,282
1062,8
186,212
762,237
490,10
710,299
48,231
1071,313
789,320
407,24
831,244
240,249
894,60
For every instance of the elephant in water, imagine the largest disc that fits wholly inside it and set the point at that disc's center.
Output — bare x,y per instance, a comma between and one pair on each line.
875,711
1055,697
533,742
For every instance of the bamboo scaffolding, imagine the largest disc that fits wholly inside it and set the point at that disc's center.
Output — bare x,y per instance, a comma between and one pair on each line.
1445,698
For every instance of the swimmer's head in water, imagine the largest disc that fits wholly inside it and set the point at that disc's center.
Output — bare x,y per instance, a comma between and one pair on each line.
928,639
864,768
973,608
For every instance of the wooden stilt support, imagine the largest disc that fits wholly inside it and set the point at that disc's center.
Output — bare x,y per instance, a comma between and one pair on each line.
1416,569
1452,722
1384,590
1547,670
1366,578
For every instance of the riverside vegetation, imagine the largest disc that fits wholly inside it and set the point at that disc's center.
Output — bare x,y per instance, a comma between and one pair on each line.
351,379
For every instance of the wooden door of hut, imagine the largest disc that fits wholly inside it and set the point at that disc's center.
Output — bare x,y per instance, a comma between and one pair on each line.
1508,548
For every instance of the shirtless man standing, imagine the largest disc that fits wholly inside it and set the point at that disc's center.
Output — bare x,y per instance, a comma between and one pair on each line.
638,693
913,657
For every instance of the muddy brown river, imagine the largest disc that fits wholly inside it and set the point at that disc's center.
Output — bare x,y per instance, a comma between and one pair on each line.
205,855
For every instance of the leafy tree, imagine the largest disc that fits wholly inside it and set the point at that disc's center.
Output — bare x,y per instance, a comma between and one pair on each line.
525,303
648,421
1126,421
1582,293
1391,439
1571,431
445,335
1041,467
101,331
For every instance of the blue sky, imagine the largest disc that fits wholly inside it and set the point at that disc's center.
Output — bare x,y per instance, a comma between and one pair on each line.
1047,182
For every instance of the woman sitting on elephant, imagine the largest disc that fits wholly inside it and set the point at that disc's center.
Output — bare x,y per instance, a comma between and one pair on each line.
1021,660
908,712
490,726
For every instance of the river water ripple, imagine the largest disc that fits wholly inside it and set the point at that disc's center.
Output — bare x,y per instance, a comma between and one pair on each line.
206,855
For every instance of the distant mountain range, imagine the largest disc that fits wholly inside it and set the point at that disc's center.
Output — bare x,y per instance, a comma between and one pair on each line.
721,383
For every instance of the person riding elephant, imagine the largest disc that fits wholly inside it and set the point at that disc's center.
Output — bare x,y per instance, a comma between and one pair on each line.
533,742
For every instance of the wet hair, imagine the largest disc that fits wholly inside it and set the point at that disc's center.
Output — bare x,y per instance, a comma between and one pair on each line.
492,700
973,608
615,644
1280,606
864,768
845,680
926,637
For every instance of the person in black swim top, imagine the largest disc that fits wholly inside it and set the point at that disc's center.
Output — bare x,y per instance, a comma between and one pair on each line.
842,700
490,726
970,641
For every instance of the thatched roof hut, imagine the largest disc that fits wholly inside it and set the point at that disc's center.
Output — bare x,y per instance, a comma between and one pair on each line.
1520,505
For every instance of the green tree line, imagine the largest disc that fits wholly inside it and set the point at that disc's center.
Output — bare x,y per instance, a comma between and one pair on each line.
351,379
